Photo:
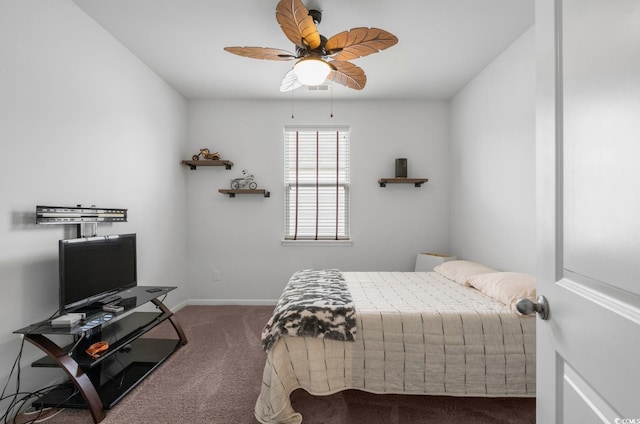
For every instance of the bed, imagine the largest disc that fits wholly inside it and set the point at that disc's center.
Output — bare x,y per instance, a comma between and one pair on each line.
411,333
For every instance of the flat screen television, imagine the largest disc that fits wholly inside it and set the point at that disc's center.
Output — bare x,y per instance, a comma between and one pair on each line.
94,268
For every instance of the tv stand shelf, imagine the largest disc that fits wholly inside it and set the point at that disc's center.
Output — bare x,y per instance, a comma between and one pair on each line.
103,382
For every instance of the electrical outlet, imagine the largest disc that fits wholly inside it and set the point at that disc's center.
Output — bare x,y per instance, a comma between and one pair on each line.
216,275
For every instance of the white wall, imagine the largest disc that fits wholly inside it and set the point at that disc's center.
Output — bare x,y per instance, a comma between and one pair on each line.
82,121
241,236
493,162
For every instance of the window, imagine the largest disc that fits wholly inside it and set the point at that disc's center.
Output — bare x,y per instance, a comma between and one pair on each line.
316,183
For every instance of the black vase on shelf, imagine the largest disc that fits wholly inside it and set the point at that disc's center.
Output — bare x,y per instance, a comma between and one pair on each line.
401,168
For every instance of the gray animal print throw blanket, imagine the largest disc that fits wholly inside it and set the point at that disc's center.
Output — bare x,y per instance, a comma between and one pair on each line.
314,303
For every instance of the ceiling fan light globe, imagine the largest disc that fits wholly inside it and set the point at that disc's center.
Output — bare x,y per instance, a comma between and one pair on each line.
311,71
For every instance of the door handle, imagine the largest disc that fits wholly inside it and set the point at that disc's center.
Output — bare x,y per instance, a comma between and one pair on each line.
527,307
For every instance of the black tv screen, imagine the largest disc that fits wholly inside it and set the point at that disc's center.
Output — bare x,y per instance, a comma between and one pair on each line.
93,268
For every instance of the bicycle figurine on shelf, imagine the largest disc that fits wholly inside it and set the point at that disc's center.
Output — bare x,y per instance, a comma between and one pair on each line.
247,180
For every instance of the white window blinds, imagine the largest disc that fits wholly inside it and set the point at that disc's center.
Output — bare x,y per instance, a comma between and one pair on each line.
316,180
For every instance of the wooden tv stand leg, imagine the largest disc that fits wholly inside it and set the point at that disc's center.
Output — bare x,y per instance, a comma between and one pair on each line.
174,322
79,378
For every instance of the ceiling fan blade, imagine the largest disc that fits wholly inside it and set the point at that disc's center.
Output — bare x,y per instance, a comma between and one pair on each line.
297,25
347,74
359,42
290,82
266,53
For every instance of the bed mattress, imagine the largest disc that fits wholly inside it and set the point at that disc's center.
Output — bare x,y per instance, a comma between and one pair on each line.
418,333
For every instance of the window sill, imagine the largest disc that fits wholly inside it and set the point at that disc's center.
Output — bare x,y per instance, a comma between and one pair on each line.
323,243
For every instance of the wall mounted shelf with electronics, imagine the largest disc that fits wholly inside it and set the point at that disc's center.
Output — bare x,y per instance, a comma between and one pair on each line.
417,182
401,175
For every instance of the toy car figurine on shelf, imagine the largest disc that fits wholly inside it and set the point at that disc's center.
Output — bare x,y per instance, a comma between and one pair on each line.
206,155
246,180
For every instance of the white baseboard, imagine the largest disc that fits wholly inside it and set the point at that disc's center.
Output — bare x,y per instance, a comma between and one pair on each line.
179,306
218,302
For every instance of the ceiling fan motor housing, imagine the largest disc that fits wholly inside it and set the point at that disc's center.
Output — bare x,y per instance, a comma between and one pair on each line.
319,51
316,15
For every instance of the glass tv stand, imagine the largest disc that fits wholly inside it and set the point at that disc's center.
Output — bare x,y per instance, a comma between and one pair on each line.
102,382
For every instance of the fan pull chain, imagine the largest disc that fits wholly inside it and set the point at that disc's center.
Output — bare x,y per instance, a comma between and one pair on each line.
292,104
331,97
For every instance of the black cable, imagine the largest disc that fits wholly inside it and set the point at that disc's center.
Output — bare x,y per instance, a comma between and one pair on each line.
16,363
8,415
53,315
39,394
163,298
18,405
44,322
115,355
15,400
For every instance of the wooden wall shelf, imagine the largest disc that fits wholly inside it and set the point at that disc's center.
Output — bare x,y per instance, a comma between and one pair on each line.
193,164
415,181
232,193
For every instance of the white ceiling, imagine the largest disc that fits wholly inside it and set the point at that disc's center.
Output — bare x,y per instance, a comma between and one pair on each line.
442,43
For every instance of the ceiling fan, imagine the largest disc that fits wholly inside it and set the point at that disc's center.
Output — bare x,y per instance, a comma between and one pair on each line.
319,58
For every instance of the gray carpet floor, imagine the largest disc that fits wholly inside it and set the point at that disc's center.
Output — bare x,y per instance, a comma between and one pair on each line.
216,377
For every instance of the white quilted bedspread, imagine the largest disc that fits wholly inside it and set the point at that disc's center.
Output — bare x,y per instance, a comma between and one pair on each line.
418,333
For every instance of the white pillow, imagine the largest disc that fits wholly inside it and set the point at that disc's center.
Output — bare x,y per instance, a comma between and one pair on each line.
460,271
506,287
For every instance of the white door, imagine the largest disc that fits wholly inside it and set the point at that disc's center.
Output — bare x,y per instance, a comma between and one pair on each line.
588,163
